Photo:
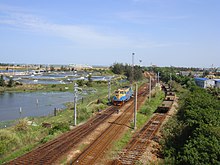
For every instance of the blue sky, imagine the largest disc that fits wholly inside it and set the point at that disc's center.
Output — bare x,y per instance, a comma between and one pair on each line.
101,32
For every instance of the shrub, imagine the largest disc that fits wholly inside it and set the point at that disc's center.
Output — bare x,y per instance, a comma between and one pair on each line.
53,86
22,125
62,127
46,139
8,141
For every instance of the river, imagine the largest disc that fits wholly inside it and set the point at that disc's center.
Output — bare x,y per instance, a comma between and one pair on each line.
16,105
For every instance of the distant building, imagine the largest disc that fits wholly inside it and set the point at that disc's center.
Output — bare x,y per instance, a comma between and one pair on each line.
205,82
217,83
80,66
185,73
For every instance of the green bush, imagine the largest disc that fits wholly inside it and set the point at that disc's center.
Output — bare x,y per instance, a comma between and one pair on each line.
83,114
62,127
22,125
47,138
8,141
53,86
192,137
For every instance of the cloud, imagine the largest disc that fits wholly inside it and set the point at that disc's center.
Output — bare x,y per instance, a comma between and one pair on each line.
139,17
80,35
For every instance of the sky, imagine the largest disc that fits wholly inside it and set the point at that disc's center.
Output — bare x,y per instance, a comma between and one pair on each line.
184,33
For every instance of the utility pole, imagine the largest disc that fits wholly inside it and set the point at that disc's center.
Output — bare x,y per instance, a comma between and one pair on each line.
150,89
132,71
13,68
158,77
109,90
170,80
75,99
135,106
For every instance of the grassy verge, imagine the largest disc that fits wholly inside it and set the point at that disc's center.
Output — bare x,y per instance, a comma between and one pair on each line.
38,87
143,116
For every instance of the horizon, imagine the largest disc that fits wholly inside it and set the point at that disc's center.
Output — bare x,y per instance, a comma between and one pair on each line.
94,65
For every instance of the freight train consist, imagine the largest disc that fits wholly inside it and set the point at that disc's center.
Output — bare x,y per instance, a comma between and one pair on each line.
122,95
168,100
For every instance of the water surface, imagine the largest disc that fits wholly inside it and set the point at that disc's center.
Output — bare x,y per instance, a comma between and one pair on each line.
31,104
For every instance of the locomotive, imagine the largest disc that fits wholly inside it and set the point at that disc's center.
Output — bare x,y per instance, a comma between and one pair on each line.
122,95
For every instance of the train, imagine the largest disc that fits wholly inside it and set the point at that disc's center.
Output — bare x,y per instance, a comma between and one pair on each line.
168,101
122,95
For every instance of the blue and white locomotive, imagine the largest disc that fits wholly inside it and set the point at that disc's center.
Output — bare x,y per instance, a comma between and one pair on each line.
122,95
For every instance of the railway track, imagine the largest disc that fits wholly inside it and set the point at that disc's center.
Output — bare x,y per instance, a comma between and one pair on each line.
137,146
139,143
96,150
49,152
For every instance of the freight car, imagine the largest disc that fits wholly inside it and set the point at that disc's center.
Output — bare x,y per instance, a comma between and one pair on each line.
168,101
122,95
164,107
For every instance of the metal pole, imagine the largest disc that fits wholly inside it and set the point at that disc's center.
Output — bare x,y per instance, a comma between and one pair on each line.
132,71
75,99
158,77
20,112
13,68
150,89
135,106
109,90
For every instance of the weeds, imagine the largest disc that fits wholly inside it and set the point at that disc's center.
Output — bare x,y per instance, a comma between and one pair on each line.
8,141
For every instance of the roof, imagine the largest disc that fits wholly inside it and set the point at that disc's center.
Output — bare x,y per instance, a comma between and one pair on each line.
201,79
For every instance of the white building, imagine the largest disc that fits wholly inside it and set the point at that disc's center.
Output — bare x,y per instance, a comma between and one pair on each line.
217,83
205,82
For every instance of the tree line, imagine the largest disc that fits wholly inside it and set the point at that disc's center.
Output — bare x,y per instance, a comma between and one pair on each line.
193,135
125,69
3,83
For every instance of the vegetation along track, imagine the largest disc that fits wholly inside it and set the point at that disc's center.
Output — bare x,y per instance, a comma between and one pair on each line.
49,152
139,143
98,147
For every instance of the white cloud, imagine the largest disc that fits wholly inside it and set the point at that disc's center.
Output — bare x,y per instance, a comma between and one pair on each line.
139,17
77,33
83,36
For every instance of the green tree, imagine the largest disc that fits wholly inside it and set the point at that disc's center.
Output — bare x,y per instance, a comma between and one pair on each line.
10,82
117,68
89,83
193,137
205,73
80,83
2,81
52,68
